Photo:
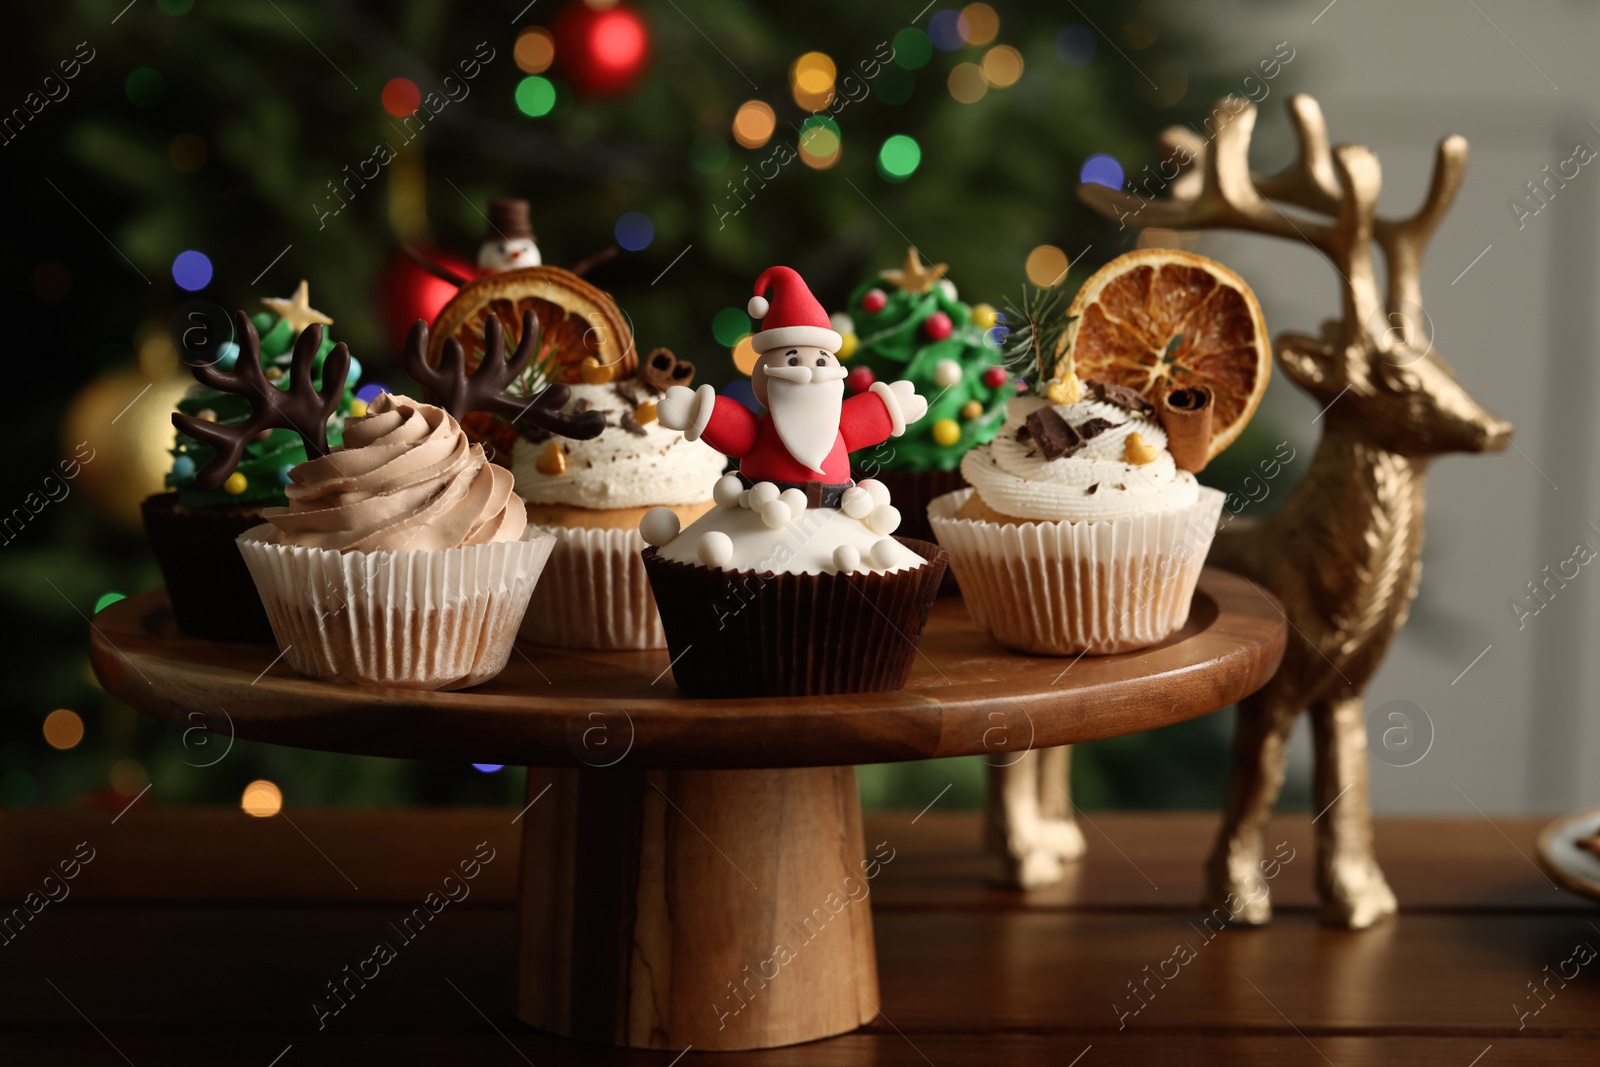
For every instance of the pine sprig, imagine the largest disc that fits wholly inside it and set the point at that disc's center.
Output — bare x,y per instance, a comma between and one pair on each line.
1036,324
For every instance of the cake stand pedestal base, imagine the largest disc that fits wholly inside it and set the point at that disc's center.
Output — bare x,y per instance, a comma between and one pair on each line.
724,909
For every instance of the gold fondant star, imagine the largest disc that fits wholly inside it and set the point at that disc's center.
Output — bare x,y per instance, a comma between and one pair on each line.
914,277
297,310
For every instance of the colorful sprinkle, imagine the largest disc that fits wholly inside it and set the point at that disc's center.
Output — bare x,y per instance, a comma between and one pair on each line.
984,316
236,484
971,410
182,469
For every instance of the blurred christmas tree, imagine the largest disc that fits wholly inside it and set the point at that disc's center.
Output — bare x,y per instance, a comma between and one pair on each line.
206,153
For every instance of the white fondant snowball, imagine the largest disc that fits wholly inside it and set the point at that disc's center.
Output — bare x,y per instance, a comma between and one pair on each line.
762,494
744,498
727,491
659,526
878,491
715,549
796,499
885,519
856,502
946,373
847,558
757,307
885,552
775,513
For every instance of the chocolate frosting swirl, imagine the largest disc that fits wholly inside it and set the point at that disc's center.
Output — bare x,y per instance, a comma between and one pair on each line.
407,479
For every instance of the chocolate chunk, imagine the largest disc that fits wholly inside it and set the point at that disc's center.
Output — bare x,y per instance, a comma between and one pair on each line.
580,405
1121,396
1121,486
1091,490
1022,432
1094,428
631,424
1053,434
626,391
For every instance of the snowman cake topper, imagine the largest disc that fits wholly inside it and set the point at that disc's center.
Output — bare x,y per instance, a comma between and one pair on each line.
794,458
509,242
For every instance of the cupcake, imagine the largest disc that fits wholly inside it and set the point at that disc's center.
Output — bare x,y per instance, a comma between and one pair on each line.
794,583
909,323
591,495
1080,533
192,529
403,559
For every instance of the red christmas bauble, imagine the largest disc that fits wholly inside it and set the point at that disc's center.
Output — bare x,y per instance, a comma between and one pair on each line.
937,326
601,52
995,377
860,379
874,300
410,293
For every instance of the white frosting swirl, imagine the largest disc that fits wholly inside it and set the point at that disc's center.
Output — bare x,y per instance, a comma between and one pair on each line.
1094,484
620,468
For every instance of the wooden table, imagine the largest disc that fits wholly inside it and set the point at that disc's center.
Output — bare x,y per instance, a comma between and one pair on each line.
198,938
695,871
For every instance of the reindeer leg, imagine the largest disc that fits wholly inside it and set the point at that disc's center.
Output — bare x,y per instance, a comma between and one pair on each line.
1025,838
1260,748
1354,893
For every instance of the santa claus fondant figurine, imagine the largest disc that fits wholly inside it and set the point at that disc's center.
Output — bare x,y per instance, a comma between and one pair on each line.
804,439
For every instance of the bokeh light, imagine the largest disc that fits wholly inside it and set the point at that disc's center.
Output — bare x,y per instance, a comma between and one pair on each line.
371,391
488,768
535,96
967,83
811,80
261,798
912,49
106,600
144,86
753,123
944,30
535,50
1046,266
979,24
191,270
1101,170
729,325
187,152
745,356
618,42
634,231
1075,45
128,777
708,153
1002,66
401,97
63,729
899,158
894,85
819,142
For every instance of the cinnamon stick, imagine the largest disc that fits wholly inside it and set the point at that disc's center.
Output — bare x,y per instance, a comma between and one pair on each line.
1186,417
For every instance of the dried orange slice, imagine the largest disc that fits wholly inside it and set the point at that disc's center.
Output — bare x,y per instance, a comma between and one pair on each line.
576,321
1160,318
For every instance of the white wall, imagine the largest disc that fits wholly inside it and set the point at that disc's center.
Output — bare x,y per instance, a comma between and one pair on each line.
1518,731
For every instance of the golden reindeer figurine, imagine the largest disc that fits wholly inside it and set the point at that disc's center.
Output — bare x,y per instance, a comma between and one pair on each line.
1343,553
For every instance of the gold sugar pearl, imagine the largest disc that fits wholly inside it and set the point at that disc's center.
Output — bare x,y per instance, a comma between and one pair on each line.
553,460
1135,451
971,410
645,413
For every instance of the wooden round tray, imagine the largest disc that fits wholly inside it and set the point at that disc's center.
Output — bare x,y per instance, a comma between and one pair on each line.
558,707
693,871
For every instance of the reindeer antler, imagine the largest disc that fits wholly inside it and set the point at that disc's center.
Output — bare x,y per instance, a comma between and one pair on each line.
304,408
484,389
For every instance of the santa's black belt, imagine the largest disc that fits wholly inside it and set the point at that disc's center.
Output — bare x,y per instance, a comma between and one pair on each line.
818,494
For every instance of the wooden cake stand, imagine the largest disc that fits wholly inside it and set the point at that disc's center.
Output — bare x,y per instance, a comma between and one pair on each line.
693,871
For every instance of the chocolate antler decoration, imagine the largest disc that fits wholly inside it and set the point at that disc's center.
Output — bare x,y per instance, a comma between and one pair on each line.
304,409
484,389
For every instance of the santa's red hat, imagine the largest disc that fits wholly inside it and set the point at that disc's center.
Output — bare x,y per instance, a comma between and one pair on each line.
791,316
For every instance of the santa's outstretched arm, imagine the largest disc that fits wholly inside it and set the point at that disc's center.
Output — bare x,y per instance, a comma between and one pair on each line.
882,412
724,424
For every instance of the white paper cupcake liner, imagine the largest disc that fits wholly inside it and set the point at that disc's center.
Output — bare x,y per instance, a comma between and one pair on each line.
1064,588
443,619
595,593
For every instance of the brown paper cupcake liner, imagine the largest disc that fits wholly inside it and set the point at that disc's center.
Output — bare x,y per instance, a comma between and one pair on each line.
212,594
443,619
1064,588
594,593
741,634
911,492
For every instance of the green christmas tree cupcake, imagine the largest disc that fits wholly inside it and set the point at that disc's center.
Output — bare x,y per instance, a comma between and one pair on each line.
192,530
908,324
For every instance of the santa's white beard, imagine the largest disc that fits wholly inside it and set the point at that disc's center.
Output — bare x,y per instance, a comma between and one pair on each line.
806,416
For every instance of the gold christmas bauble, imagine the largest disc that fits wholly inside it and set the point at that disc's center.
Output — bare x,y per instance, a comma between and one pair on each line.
119,431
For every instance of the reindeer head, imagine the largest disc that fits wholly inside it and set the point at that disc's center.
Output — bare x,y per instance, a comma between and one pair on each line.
1374,371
